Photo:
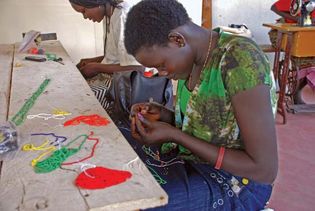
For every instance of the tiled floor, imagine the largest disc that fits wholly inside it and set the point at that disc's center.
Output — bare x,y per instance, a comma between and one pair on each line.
294,188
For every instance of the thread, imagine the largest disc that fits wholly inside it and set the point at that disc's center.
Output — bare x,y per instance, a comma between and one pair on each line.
131,162
32,147
58,139
94,120
58,157
165,163
61,112
46,116
92,152
83,169
101,177
156,157
157,177
20,116
149,152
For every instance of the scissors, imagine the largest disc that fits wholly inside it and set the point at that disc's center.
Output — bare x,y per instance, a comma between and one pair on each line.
59,60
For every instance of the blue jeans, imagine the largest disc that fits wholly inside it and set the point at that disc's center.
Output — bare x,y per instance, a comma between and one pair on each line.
196,186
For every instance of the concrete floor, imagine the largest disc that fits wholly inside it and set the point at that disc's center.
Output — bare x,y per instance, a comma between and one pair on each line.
295,184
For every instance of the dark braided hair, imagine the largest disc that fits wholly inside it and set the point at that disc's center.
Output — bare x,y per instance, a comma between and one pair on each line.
150,21
95,3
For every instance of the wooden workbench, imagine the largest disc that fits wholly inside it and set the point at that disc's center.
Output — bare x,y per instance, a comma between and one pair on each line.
6,59
23,189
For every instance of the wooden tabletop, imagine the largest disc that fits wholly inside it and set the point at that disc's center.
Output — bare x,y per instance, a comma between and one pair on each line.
289,27
23,189
303,42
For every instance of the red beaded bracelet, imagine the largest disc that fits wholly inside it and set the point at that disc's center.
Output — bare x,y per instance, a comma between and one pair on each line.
218,163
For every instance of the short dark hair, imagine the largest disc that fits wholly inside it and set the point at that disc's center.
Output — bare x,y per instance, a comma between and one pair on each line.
150,21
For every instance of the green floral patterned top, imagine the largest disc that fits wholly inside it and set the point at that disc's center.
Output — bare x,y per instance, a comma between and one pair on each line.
237,64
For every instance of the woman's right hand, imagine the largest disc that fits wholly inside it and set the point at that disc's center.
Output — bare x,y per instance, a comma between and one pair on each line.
151,111
86,61
151,132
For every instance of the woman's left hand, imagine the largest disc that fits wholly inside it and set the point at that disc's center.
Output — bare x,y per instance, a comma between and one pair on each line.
152,132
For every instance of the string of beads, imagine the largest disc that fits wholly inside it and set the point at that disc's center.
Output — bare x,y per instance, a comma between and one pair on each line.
20,116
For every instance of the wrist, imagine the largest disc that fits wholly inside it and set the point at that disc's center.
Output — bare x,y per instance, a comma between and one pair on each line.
94,68
90,70
167,115
175,135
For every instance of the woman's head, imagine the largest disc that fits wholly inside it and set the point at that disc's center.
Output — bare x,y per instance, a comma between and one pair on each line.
94,10
155,35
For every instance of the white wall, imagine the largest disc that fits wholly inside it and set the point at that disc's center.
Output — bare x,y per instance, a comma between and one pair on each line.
83,38
252,13
76,34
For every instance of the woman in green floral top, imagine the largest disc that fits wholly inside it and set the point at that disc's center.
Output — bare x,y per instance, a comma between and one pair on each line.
222,131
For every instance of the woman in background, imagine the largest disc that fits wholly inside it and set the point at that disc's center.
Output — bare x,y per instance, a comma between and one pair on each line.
99,71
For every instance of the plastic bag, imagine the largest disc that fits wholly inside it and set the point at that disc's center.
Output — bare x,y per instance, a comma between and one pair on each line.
8,138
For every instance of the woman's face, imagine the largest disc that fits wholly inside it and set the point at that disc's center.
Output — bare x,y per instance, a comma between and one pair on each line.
171,61
95,14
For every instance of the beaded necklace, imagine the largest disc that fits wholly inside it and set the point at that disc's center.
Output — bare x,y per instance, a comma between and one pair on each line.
20,116
157,177
58,139
92,152
204,64
32,147
58,157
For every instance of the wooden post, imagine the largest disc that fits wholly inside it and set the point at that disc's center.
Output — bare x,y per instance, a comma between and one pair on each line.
207,14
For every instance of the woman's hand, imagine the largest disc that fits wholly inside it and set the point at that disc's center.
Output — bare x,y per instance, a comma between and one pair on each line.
151,132
145,110
89,70
86,61
153,112
150,111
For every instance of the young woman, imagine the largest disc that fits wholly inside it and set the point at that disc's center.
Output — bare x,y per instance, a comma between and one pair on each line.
218,149
113,14
99,70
